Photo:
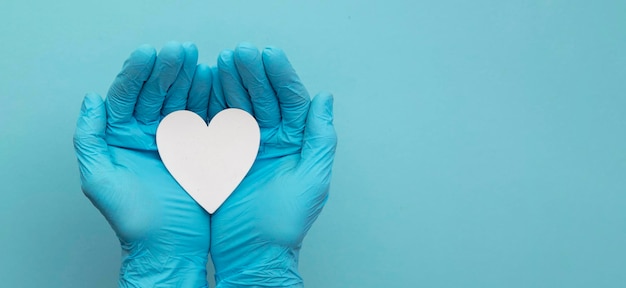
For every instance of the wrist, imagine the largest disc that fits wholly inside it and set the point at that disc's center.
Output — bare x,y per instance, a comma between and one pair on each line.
262,267
149,270
259,278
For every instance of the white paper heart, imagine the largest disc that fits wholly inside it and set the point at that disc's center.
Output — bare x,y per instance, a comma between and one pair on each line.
210,161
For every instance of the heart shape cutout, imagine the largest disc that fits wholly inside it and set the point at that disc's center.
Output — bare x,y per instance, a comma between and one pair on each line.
210,161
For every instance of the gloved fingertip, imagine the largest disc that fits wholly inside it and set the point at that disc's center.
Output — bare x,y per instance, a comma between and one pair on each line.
203,70
191,49
173,49
146,49
272,51
92,120
329,101
276,63
202,80
246,52
91,102
225,57
322,104
214,71
143,55
189,44
246,45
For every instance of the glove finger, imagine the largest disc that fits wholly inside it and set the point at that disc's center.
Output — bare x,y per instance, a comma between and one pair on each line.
293,98
122,95
91,149
217,102
164,73
176,98
320,139
235,94
264,103
198,100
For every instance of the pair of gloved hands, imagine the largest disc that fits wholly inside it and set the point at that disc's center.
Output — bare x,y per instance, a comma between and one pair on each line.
255,236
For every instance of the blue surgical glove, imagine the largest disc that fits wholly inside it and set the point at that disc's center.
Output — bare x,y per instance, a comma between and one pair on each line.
163,232
257,233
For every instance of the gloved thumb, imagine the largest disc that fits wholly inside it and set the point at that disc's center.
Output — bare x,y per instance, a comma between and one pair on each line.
320,139
91,148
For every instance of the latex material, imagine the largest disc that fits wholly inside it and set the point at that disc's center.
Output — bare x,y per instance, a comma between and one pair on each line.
164,234
258,231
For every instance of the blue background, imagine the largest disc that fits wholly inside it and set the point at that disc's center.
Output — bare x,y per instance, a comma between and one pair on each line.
482,143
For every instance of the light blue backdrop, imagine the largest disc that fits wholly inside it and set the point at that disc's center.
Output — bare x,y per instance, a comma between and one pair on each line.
482,143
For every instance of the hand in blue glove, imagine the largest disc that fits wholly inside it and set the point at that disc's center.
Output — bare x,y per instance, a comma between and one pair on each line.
163,232
258,231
